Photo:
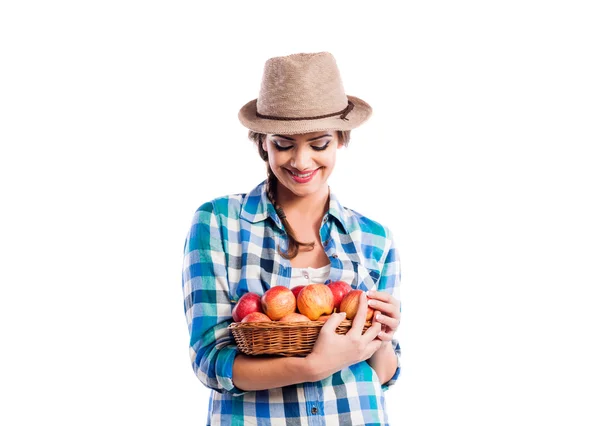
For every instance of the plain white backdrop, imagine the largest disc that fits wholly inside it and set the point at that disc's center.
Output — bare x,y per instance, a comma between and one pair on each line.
119,118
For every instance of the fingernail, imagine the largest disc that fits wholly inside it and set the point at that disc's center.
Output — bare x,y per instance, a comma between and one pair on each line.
377,317
371,302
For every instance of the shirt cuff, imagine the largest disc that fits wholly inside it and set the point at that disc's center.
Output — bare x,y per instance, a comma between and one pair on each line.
396,375
392,381
224,369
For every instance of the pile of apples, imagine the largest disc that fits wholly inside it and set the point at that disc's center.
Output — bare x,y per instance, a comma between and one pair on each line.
311,302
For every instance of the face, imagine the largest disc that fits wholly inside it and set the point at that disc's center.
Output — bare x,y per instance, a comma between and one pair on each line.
302,163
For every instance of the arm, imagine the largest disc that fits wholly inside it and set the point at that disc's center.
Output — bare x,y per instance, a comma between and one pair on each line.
207,304
386,361
252,373
214,355
331,353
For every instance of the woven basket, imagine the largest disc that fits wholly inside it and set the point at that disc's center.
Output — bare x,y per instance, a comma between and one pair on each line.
281,338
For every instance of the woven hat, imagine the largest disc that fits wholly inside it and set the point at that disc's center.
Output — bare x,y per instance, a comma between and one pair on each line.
303,93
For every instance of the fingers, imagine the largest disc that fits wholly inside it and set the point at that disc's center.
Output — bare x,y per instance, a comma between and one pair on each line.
373,346
388,326
390,322
358,321
379,295
333,322
385,302
372,332
386,335
388,308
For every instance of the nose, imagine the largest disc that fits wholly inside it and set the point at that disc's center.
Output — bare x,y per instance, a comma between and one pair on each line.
302,159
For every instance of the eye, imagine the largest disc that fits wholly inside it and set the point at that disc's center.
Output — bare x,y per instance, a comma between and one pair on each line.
321,148
282,148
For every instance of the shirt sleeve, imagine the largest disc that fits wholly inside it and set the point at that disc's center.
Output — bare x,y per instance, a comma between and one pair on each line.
207,302
390,282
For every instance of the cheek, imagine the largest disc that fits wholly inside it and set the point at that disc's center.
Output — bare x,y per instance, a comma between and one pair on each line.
276,159
330,160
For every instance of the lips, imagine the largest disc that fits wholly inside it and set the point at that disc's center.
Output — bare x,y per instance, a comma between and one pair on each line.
302,177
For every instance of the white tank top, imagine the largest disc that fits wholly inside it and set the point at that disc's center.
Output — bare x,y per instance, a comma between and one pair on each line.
303,276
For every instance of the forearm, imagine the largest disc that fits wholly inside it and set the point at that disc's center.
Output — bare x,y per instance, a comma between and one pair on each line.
251,373
384,362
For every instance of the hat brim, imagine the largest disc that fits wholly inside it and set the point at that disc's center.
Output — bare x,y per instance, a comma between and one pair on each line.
359,114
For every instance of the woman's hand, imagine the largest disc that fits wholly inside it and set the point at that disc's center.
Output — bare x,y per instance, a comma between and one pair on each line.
387,313
333,352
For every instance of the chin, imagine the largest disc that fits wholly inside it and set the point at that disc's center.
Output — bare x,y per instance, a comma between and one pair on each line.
308,192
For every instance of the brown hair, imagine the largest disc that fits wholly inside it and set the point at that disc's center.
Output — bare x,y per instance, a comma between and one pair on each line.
293,244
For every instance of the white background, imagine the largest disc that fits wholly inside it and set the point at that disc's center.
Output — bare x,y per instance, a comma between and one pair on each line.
119,118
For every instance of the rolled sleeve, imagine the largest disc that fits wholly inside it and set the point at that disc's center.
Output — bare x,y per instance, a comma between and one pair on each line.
207,303
390,282
396,375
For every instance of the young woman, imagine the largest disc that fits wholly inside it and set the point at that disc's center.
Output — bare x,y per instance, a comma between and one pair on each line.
292,230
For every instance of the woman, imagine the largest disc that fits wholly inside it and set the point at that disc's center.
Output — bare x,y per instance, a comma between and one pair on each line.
292,230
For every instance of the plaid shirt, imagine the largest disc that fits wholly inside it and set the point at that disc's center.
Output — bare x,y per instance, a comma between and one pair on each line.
231,249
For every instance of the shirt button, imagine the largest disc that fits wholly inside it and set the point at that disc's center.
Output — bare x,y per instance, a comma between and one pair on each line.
334,255
314,410
305,274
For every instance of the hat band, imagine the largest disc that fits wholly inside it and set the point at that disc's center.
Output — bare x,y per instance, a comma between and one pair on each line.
343,113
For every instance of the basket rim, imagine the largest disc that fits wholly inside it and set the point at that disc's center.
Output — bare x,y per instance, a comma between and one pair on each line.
277,324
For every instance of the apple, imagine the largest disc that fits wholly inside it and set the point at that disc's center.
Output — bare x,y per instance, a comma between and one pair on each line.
297,290
248,303
339,289
350,305
294,317
277,302
323,318
256,317
315,300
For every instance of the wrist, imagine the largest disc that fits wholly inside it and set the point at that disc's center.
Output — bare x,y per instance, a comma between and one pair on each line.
313,370
385,347
384,361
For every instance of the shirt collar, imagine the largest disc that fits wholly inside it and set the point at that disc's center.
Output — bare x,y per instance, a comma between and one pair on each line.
338,211
257,207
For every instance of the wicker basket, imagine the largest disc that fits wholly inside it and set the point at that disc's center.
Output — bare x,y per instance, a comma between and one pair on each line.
281,338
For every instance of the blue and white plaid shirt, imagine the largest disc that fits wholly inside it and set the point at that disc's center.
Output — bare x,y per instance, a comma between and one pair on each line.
231,249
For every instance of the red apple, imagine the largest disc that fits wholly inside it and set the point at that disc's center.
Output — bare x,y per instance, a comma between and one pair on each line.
315,300
339,289
294,317
350,305
256,317
248,303
277,302
297,290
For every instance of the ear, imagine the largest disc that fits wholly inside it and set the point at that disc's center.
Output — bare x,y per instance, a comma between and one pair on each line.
264,144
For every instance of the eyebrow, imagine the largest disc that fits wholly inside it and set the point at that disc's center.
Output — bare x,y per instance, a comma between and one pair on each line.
310,140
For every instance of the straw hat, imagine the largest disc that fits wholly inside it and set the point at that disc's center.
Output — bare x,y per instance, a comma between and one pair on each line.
303,93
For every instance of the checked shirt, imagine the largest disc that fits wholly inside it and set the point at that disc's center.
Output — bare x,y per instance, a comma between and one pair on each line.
231,249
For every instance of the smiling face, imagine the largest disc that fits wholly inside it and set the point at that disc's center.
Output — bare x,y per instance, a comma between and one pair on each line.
302,163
